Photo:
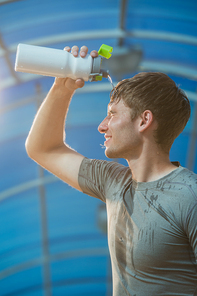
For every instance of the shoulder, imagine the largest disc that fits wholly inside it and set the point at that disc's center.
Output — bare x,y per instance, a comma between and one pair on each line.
187,181
186,174
183,189
180,202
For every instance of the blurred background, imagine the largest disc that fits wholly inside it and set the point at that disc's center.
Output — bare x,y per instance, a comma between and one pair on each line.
52,238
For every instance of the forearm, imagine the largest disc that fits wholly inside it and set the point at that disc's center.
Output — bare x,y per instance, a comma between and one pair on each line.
47,131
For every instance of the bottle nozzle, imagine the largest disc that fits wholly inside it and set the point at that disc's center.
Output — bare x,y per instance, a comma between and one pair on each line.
99,76
105,73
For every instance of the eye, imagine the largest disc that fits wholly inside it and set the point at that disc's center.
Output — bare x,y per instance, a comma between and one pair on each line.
111,113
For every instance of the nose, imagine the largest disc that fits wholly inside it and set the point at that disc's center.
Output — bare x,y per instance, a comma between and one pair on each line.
103,126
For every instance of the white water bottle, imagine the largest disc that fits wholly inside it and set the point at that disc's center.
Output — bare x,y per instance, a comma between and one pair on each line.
59,63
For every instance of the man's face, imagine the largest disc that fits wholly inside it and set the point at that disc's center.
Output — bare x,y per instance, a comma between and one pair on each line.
121,133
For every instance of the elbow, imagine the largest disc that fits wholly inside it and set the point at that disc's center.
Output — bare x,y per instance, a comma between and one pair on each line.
30,149
35,151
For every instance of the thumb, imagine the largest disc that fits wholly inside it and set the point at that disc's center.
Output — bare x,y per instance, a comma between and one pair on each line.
74,84
79,83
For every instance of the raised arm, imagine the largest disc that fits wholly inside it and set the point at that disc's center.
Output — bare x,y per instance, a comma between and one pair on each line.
45,143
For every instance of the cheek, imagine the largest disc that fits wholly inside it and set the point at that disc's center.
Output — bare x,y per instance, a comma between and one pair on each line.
115,124
125,126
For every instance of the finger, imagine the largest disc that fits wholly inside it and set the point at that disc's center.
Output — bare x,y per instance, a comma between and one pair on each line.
75,50
80,83
94,53
83,51
67,48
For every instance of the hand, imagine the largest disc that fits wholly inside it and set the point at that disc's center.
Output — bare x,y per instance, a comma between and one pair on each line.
79,83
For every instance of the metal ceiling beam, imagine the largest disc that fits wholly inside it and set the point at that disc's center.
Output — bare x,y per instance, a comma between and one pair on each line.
174,69
88,252
107,34
123,6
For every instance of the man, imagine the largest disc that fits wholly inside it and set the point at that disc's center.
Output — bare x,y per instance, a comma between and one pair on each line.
152,203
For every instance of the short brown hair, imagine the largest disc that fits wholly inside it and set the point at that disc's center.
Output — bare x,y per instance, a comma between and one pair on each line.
158,93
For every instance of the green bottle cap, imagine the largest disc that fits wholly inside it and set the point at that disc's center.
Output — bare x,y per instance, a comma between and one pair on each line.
105,51
98,78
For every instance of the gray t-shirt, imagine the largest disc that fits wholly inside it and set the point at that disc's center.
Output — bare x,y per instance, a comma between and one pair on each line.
152,228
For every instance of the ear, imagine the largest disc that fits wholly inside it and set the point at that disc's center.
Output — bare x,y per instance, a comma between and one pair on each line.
146,119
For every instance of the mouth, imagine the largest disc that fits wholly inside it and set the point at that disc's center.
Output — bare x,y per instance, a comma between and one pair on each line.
107,139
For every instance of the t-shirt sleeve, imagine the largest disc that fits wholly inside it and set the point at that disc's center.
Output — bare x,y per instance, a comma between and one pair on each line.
187,209
191,223
99,178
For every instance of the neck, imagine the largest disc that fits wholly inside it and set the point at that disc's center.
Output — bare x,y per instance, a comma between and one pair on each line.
150,166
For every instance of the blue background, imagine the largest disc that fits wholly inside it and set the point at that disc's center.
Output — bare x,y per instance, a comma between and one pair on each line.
50,239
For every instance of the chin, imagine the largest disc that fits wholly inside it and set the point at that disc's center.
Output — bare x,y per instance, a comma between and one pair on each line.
112,154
